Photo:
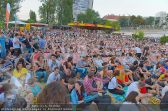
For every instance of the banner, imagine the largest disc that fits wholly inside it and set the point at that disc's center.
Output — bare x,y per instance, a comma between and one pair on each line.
22,29
7,14
28,27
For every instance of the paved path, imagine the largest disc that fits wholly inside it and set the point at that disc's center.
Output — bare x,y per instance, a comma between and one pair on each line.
148,33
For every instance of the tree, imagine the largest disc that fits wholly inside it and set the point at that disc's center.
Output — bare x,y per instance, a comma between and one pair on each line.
2,25
124,21
48,11
65,11
15,5
56,11
138,35
90,16
137,21
149,20
167,20
115,24
163,39
32,15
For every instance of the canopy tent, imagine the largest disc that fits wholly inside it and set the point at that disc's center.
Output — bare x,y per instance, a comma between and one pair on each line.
17,22
91,26
39,24
62,27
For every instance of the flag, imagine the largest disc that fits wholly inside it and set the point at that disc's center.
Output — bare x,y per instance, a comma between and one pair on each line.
7,14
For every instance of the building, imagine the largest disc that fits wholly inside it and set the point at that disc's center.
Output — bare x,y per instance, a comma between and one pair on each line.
80,6
112,17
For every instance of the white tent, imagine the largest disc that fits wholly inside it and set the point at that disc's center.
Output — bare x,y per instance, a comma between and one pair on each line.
17,22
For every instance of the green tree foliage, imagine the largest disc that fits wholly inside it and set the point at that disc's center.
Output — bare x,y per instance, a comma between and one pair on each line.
89,17
32,15
56,11
65,11
15,5
124,21
48,10
115,24
137,21
138,35
164,39
2,25
149,20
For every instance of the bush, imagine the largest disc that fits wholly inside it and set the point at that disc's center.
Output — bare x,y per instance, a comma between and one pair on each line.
2,25
139,35
163,39
115,24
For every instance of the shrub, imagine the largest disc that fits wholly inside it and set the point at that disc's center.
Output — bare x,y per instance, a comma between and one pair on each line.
139,35
2,25
163,39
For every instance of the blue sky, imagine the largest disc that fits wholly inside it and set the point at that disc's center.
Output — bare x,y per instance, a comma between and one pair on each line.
104,7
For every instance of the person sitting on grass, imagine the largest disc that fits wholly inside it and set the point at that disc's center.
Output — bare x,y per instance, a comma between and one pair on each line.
79,95
41,69
54,76
33,90
113,86
90,84
20,75
35,87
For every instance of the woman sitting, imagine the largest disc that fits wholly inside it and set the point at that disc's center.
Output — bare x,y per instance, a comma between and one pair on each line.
33,90
113,86
79,95
41,69
112,63
20,75
105,75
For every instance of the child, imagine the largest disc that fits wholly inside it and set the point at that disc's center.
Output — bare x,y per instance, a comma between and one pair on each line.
35,88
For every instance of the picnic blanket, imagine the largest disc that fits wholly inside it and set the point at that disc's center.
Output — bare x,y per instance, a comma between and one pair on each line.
118,98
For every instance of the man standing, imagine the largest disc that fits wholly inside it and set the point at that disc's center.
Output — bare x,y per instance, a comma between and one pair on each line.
2,46
42,42
138,51
17,45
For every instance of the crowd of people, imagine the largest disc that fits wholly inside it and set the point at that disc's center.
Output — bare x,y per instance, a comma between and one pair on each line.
88,70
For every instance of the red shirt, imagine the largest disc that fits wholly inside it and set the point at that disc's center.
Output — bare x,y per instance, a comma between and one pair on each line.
143,90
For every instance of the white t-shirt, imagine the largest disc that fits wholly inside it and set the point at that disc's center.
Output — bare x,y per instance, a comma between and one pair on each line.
132,87
113,83
16,45
138,50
